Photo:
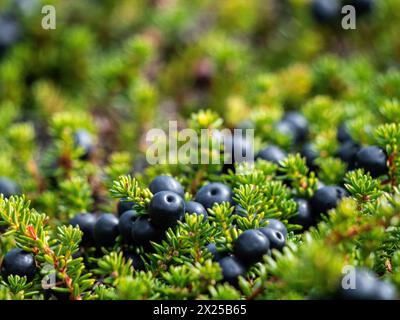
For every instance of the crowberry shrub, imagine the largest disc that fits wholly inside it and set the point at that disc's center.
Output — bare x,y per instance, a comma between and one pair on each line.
80,200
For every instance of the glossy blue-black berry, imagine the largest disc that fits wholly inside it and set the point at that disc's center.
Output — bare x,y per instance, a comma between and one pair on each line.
373,160
365,286
299,122
231,268
85,222
8,187
10,32
124,205
363,7
166,208
125,225
275,237
136,260
325,11
18,262
273,154
287,129
166,183
304,215
106,230
309,152
277,225
143,231
193,207
347,153
84,141
217,255
251,246
343,133
325,199
213,193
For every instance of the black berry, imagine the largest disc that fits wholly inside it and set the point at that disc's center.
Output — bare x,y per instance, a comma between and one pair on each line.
287,129
363,7
299,122
373,160
304,217
106,230
84,141
212,193
325,199
309,152
347,153
166,183
275,237
10,32
193,207
272,154
8,187
325,11
251,246
125,225
277,225
137,261
18,262
124,205
217,255
231,270
165,209
85,222
343,133
143,232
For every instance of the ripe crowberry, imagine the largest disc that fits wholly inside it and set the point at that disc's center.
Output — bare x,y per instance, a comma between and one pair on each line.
373,160
212,193
272,154
217,255
275,237
231,270
343,134
124,205
165,209
347,153
287,129
10,32
325,199
125,225
309,152
193,207
363,7
304,217
366,287
251,246
18,262
277,225
325,11
166,183
8,187
143,232
85,222
106,230
299,122
84,141
136,260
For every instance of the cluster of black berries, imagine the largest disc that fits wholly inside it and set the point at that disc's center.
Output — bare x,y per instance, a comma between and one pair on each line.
166,208
249,248
329,11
